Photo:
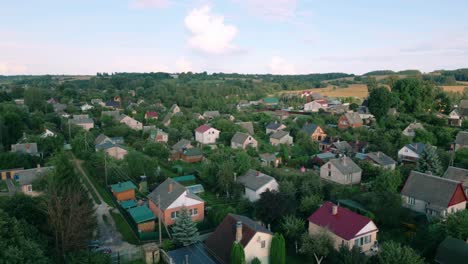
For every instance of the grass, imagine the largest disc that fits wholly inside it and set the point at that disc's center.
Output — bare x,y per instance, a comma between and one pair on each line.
90,189
105,195
124,229
3,186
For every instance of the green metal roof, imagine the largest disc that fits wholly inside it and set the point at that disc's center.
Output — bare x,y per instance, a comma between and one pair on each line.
128,204
184,178
452,250
271,100
141,214
193,152
123,186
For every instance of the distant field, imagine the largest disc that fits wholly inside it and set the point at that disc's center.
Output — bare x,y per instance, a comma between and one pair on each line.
354,90
455,88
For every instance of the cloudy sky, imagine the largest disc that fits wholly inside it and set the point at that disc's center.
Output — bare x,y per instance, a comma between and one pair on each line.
244,36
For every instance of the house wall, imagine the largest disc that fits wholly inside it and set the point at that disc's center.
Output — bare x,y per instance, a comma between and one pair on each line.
208,137
420,206
337,176
166,215
191,159
254,248
116,152
318,135
255,195
312,107
406,153
343,122
9,174
146,227
125,195
86,126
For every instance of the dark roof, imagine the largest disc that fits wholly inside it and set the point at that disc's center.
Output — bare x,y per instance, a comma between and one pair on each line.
247,126
254,180
112,103
417,147
268,157
203,128
432,189
457,174
183,143
273,125
380,158
24,177
196,253
141,214
219,243
353,118
345,165
240,137
462,138
452,251
345,224
343,146
309,129
279,134
123,186
108,145
191,152
167,198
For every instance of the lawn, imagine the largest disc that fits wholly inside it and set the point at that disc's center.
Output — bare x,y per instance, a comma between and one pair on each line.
124,229
3,186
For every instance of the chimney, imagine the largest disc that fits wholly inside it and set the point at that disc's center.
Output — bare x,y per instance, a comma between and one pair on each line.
171,187
334,209
238,231
258,173
343,160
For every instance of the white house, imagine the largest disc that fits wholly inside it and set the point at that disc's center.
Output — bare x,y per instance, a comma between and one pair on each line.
411,152
256,183
131,122
410,130
206,134
47,133
342,170
281,137
315,106
243,141
86,107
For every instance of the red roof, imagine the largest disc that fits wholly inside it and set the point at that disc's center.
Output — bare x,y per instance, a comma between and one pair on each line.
152,114
345,224
203,128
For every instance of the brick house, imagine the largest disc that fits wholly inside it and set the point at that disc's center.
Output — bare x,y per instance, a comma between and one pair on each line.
123,191
168,199
350,120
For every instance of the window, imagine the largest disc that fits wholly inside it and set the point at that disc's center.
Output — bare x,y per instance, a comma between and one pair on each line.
452,210
411,200
329,166
329,173
30,189
263,243
367,239
174,215
195,211
190,212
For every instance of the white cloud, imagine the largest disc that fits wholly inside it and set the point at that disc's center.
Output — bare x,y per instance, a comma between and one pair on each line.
279,66
271,9
209,33
184,65
12,69
141,4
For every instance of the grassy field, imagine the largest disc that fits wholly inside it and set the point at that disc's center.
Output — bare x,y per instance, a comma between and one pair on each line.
3,186
124,228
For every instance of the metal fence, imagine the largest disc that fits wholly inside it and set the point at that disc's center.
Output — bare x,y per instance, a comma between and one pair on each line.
125,256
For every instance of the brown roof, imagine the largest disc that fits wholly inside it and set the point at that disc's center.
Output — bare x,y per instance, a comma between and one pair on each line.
219,243
353,118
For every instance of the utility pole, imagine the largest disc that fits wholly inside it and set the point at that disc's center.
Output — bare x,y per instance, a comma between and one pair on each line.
69,132
159,220
105,166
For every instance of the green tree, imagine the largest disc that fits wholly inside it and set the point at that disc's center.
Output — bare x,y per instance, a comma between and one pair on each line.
457,225
278,250
156,150
293,227
310,203
185,231
317,246
387,180
237,254
429,161
379,101
393,252
255,261
344,255
272,206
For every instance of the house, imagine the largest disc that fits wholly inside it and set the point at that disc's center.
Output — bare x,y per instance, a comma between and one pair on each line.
411,152
410,130
463,108
112,149
341,147
191,155
458,174
451,251
248,126
170,197
273,127
174,109
322,158
270,160
455,118
346,228
48,133
167,120
255,183
182,145
112,104
281,137
380,159
97,101
206,134
350,120
315,132
243,141
86,107
130,122
270,101
143,218
25,148
365,113
159,136
211,114
461,141
433,195
254,238
82,121
9,173
196,253
316,105
151,115
59,108
341,170
25,178
123,191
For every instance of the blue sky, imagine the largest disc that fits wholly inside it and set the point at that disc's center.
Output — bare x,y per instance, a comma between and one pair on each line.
244,36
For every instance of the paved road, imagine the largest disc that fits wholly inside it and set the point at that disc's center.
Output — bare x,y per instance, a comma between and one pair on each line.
11,187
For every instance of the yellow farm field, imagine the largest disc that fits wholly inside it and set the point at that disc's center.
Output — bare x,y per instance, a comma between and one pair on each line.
354,90
454,88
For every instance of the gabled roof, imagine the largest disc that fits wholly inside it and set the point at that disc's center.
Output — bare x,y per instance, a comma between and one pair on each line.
268,157
279,134
219,243
309,129
435,190
273,125
123,186
183,143
413,126
240,137
203,128
192,152
109,144
462,138
343,146
254,180
81,121
353,118
141,214
174,106
24,177
211,114
30,148
457,174
345,165
167,196
380,158
152,114
417,147
101,138
345,224
452,251
247,126
325,155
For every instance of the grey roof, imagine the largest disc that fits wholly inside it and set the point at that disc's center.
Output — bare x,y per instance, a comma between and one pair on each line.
100,139
28,148
464,107
211,114
108,145
183,143
25,177
457,174
247,126
59,107
84,116
434,190
462,138
353,118
254,180
251,223
380,158
309,129
167,118
345,165
196,253
279,134
452,251
417,147
273,125
268,157
81,121
240,137
343,146
174,106
167,198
